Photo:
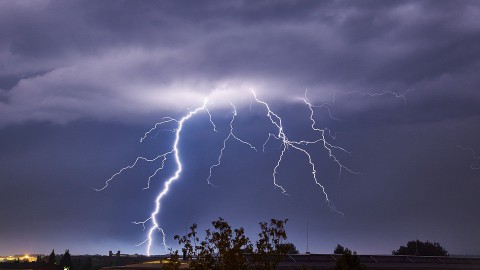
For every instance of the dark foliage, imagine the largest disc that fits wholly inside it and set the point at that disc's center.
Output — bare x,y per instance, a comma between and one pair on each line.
88,264
290,248
349,261
51,259
225,248
270,247
222,248
66,261
173,262
339,249
419,248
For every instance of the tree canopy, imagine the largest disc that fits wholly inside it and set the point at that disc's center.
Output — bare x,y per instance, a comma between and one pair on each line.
51,259
419,248
270,247
228,244
66,261
290,248
225,248
339,249
349,259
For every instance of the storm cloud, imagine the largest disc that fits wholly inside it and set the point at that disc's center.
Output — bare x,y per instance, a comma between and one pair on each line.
81,81
67,61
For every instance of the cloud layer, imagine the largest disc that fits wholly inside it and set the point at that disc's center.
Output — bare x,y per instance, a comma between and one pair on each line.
63,61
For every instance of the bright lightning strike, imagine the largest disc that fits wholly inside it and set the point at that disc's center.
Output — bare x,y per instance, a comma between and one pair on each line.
301,145
476,159
176,175
153,216
276,121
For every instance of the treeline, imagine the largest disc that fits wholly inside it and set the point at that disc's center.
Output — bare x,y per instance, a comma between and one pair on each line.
84,262
419,248
65,262
225,248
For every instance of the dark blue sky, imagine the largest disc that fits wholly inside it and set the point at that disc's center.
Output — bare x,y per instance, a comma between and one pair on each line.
82,81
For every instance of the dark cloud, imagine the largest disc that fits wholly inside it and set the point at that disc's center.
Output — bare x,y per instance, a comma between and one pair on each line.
276,47
80,81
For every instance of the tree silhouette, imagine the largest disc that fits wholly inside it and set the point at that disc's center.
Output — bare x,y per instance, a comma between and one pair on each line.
339,249
290,248
270,248
66,261
419,248
230,245
225,248
349,260
51,259
173,262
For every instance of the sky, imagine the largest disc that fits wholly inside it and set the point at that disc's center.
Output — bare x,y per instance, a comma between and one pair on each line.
395,83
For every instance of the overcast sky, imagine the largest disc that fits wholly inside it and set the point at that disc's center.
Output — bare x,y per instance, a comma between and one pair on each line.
396,83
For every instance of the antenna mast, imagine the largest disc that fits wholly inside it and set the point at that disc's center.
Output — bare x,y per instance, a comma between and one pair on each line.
308,252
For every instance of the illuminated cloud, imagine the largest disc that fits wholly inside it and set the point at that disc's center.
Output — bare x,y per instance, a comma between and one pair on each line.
80,60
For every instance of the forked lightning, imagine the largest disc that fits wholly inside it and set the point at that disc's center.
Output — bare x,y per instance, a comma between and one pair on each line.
280,135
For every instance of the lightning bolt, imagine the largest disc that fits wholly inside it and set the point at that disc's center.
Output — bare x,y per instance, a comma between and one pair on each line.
400,95
476,159
164,156
277,122
153,216
230,135
164,121
176,175
286,143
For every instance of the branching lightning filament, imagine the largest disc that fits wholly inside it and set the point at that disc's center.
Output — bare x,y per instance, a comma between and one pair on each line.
276,121
400,95
475,159
231,134
152,225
